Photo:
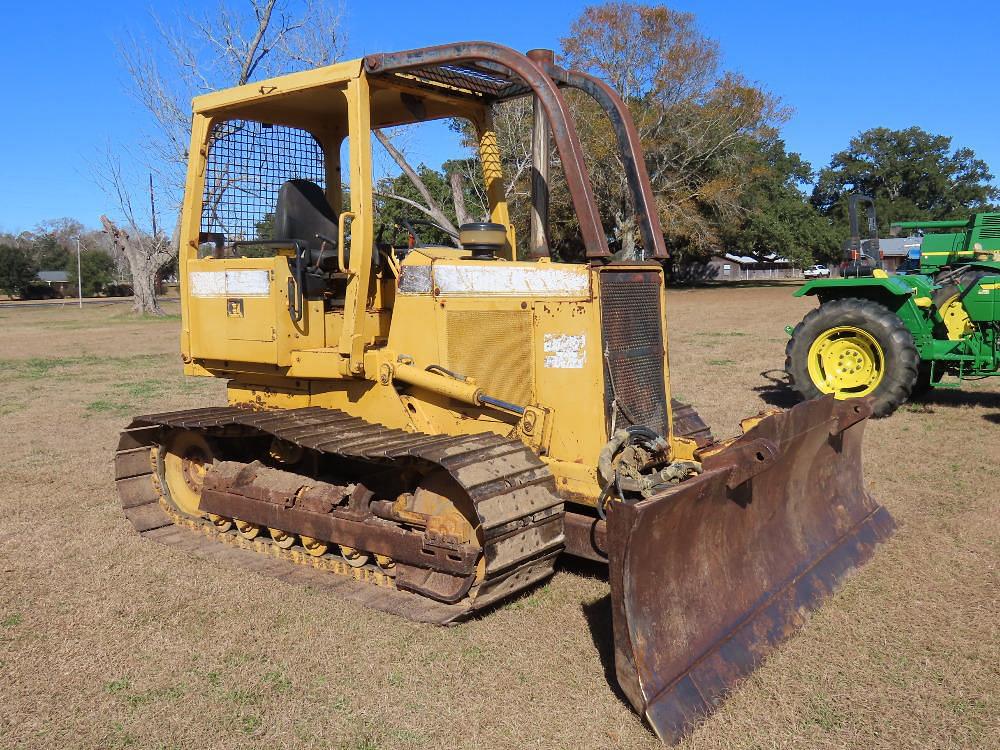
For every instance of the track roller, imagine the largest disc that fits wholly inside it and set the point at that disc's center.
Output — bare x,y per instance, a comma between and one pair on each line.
249,531
282,538
221,523
386,564
315,547
353,557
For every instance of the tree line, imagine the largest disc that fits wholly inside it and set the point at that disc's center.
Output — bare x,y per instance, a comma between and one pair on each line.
52,246
724,178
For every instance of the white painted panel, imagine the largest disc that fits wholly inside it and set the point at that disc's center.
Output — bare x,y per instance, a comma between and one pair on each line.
564,352
255,283
207,283
510,281
231,283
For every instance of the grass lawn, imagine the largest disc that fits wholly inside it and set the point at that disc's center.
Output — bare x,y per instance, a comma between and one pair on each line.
110,641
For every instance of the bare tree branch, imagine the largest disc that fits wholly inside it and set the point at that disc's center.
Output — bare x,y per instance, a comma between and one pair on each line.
250,58
431,207
458,197
235,42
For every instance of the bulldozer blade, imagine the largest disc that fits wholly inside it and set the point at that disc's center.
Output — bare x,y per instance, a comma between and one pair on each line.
708,577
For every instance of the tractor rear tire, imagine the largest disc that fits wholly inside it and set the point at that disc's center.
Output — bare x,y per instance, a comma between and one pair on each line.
881,338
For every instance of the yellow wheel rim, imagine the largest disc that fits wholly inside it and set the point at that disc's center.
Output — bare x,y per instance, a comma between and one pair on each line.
847,362
956,319
186,459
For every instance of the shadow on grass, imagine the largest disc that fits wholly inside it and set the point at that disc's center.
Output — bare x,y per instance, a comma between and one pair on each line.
941,397
598,616
751,284
777,391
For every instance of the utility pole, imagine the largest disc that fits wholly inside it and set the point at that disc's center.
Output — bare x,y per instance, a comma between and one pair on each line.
79,277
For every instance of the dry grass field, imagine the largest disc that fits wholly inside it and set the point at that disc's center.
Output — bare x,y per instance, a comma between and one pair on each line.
113,642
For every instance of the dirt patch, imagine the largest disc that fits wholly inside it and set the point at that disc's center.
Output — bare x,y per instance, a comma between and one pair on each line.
109,641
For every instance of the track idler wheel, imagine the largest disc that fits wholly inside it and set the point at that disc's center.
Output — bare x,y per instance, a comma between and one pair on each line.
185,459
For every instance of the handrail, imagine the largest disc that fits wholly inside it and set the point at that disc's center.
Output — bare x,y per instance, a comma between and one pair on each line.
341,231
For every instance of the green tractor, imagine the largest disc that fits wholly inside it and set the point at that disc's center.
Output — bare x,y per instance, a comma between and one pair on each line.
891,337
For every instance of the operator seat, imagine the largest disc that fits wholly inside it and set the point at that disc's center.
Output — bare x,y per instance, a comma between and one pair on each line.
301,214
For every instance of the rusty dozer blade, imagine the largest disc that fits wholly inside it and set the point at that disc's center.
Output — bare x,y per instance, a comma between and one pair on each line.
708,577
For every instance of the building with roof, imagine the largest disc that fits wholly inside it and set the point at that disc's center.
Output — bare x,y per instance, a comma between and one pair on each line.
733,267
58,280
892,251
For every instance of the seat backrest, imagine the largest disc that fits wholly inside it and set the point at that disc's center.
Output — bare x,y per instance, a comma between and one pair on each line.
302,213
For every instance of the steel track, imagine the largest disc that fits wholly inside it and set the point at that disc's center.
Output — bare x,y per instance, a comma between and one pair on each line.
511,489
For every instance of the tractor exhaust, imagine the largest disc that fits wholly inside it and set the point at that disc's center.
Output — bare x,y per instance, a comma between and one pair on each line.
710,576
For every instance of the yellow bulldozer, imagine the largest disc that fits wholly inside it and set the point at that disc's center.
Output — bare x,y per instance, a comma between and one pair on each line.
426,429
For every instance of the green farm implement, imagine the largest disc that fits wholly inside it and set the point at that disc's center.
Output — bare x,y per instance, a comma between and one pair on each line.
977,237
891,337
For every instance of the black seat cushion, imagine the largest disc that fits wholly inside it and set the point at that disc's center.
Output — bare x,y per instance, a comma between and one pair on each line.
302,213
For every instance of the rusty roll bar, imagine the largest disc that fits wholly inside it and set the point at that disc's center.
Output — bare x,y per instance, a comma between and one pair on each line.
543,87
629,147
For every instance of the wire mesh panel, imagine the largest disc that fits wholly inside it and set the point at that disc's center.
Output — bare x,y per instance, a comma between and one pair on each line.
247,164
632,327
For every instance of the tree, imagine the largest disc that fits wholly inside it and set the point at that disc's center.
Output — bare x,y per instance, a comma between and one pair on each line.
52,242
145,252
399,199
239,42
17,270
425,201
694,120
911,174
97,270
775,216
50,254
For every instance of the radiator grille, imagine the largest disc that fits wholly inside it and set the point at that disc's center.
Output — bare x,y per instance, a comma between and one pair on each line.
495,349
632,327
990,227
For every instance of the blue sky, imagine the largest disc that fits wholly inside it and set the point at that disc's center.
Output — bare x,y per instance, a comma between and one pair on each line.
842,68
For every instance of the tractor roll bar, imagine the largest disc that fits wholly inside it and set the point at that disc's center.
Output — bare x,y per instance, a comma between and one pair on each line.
629,147
543,87
854,244
897,226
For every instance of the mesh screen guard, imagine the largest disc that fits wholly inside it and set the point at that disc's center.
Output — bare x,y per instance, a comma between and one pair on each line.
247,164
492,347
632,326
